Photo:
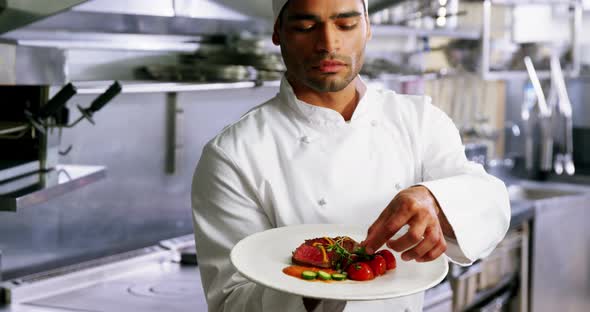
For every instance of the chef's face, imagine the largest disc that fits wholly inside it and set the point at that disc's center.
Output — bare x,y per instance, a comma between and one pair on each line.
323,42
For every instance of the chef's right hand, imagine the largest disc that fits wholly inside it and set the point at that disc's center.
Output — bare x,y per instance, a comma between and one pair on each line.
418,208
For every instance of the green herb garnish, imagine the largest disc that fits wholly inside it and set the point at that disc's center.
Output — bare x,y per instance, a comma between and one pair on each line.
344,254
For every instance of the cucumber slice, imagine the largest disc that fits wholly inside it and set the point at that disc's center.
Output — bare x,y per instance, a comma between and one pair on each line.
309,275
338,277
324,276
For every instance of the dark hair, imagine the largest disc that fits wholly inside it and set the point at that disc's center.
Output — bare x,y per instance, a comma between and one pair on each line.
280,17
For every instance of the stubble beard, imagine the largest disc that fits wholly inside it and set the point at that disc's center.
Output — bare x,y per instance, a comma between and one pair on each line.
330,84
327,82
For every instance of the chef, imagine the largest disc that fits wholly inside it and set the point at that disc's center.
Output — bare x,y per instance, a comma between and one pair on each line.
330,149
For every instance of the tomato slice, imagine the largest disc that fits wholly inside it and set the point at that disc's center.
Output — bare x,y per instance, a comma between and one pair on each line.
389,258
360,271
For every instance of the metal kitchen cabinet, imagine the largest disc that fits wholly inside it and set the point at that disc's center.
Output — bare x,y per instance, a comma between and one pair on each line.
561,256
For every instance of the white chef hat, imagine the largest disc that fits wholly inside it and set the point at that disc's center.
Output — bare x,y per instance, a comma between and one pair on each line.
277,6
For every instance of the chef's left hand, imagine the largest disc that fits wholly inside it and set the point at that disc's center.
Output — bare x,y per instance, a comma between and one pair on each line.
418,208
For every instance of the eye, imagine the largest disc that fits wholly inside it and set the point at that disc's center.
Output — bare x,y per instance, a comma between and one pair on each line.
347,23
305,27
348,26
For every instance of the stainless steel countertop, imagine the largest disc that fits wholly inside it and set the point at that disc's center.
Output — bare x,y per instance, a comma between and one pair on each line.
523,210
166,286
148,279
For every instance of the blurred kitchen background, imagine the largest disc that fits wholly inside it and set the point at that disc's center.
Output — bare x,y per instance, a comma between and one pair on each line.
107,104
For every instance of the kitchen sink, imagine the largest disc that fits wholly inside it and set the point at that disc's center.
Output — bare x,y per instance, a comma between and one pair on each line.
519,192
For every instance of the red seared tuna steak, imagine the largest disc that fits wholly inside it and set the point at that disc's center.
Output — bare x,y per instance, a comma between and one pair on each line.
325,252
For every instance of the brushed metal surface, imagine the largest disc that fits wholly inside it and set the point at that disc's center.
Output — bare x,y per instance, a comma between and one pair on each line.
149,279
51,52
166,287
18,13
15,169
100,22
527,193
263,9
560,256
81,275
138,203
24,65
187,8
43,186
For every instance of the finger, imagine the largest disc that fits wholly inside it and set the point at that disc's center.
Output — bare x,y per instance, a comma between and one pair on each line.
414,235
378,224
431,239
434,253
383,217
383,231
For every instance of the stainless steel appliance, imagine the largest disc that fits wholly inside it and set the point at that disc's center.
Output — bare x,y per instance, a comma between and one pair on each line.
497,281
561,253
30,128
439,298
24,149
149,279
30,119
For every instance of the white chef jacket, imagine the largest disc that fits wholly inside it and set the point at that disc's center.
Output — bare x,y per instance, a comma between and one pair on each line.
287,162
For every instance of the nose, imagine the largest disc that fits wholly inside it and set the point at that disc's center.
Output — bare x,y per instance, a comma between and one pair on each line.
328,40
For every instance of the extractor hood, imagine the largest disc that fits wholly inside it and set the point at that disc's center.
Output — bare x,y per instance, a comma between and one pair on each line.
58,41
19,13
263,8
54,42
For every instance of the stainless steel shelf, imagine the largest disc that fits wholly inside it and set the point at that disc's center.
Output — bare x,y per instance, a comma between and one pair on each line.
514,75
39,187
65,40
11,169
540,2
576,29
98,87
411,77
394,30
130,87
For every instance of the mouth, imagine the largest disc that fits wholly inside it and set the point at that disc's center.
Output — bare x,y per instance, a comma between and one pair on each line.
330,66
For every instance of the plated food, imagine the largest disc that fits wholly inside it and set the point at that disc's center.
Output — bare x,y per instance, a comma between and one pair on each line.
337,259
261,258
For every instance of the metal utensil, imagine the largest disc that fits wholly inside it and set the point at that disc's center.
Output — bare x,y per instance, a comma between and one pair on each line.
544,120
565,108
541,102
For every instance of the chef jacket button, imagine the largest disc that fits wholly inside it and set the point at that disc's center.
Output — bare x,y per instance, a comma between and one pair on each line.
374,123
322,202
305,139
407,310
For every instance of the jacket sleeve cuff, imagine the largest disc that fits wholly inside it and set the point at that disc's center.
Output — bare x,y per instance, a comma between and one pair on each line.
457,249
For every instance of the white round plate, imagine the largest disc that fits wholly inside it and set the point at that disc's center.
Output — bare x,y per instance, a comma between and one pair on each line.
261,258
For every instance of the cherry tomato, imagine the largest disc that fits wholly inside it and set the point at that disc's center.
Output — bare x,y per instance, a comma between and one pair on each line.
378,265
360,271
389,258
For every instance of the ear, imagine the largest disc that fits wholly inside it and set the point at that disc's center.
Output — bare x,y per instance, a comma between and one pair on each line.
276,39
